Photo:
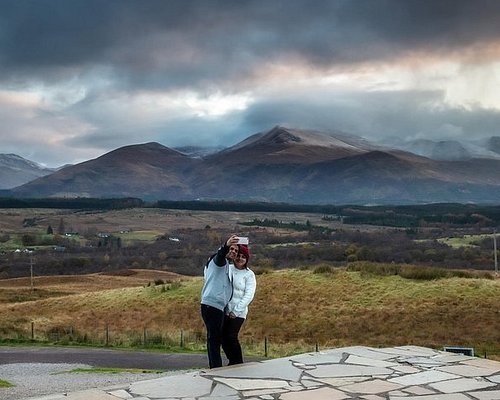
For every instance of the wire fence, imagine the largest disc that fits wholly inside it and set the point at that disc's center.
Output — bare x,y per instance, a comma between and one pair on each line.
180,340
103,335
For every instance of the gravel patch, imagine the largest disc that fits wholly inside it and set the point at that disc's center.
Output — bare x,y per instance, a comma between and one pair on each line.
38,379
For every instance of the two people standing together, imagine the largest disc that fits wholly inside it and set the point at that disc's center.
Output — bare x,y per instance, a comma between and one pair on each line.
228,289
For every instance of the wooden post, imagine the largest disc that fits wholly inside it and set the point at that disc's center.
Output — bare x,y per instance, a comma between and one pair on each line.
182,339
32,330
145,336
31,273
107,335
265,346
495,251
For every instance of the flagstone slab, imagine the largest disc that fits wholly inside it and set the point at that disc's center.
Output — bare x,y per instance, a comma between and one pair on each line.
484,363
318,358
397,393
280,368
223,390
372,397
448,357
252,384
316,394
422,378
423,362
409,351
122,394
343,381
353,359
263,392
486,395
461,385
494,378
406,369
145,398
376,354
310,384
340,370
418,390
453,396
371,387
419,350
467,370
91,394
187,385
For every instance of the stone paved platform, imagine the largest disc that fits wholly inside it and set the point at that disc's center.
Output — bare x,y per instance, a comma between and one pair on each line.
395,373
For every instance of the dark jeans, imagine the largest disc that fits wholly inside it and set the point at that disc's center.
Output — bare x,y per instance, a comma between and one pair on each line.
230,343
214,320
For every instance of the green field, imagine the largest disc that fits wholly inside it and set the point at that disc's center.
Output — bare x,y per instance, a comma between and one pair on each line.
138,236
465,241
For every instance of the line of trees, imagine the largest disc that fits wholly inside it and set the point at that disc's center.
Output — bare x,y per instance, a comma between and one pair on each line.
397,216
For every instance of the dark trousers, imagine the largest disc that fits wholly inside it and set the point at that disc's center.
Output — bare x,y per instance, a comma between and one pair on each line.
230,343
214,320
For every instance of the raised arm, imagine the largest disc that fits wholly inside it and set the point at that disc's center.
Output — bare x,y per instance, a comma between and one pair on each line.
220,257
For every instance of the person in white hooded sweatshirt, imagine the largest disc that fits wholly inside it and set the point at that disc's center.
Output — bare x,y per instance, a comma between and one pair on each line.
244,285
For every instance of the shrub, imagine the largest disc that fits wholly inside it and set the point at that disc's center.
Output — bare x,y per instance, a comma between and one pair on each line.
323,269
423,273
375,269
261,270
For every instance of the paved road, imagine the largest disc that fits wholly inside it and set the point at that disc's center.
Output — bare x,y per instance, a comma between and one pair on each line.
102,357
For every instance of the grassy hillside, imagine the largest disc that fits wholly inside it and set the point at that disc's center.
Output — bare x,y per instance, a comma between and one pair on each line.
294,309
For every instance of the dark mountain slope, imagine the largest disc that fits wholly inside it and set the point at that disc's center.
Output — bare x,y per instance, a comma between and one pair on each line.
147,170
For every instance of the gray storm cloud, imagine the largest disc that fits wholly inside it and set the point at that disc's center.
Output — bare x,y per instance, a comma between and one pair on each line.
154,43
93,59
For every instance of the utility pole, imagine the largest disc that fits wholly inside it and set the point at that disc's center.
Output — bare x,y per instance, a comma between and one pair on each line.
495,250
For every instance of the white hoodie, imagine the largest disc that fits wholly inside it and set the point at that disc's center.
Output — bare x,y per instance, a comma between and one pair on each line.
244,285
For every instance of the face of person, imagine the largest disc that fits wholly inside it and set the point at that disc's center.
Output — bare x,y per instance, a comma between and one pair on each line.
232,253
240,261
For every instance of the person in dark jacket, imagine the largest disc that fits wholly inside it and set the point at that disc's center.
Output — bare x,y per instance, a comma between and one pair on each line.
215,295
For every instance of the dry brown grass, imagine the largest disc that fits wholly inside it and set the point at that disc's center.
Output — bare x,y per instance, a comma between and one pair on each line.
294,309
74,284
140,219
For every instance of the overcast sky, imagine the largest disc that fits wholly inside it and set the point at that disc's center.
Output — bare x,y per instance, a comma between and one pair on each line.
79,78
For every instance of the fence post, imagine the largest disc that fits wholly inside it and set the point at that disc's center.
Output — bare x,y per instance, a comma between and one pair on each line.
32,330
265,346
145,340
182,339
317,348
107,336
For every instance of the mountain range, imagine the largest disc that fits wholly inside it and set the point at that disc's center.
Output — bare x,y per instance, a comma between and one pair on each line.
280,165
16,170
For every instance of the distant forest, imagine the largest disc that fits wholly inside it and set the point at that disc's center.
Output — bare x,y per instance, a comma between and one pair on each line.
407,216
